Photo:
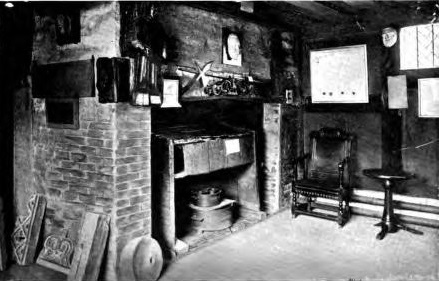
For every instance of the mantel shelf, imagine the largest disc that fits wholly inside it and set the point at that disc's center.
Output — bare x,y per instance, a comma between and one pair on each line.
241,98
180,175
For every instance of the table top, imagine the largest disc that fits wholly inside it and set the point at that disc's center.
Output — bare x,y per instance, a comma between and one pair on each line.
388,174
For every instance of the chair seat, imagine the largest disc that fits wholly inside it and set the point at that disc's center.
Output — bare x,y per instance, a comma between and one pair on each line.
317,187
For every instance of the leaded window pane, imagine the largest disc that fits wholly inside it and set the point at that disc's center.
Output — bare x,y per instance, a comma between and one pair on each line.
436,45
425,46
419,46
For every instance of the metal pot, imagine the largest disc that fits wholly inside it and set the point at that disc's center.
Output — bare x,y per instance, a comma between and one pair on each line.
207,197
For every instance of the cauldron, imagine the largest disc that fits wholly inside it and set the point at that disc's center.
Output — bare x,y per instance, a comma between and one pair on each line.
207,197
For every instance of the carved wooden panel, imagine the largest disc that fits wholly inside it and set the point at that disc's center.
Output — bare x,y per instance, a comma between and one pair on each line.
57,253
87,259
27,231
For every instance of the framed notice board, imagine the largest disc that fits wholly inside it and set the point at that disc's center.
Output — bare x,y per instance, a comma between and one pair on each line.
339,75
428,97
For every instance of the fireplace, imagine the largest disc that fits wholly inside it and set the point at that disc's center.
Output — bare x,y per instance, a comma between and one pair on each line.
188,159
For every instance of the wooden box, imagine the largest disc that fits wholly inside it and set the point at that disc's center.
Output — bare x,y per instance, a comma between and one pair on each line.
212,155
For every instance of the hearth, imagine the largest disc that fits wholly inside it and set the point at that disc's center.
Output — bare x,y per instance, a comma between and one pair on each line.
217,165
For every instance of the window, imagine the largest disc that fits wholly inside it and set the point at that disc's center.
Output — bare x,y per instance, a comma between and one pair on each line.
419,46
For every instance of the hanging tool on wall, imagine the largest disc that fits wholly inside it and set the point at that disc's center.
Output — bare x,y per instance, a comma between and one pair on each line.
200,75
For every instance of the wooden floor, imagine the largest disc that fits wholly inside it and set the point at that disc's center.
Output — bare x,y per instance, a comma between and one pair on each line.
308,248
32,272
305,248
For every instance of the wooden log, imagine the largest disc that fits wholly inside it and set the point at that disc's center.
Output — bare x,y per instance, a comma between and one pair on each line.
3,254
27,231
87,259
141,259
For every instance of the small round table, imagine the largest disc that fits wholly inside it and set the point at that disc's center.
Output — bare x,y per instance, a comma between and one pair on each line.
389,223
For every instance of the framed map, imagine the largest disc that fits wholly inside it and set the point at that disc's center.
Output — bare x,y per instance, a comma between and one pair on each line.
339,75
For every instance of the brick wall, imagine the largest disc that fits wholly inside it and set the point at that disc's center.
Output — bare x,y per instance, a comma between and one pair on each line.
104,165
75,167
133,172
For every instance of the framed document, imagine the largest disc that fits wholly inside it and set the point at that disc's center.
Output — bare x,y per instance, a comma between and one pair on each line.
397,89
339,75
171,90
428,97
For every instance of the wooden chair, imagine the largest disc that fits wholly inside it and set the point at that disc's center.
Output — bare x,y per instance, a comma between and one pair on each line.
326,174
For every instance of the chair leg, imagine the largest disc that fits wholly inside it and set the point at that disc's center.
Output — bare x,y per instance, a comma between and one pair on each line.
294,204
347,210
308,206
340,216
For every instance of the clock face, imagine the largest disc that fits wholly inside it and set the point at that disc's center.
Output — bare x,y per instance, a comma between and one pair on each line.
390,36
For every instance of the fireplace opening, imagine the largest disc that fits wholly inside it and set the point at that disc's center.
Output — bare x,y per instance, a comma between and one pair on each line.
194,216
196,225
189,159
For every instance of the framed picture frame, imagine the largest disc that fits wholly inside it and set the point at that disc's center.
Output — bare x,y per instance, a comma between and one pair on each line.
171,88
339,75
231,47
428,98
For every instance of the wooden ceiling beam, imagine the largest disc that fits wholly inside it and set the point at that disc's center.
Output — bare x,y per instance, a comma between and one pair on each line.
359,4
288,13
263,14
341,7
316,9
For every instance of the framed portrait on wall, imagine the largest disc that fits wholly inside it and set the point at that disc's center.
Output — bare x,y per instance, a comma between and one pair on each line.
232,47
428,97
339,75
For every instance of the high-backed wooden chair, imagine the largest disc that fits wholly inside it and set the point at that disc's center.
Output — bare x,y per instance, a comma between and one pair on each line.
326,174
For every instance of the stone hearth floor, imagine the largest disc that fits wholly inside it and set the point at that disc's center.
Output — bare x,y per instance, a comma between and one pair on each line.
195,240
306,248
